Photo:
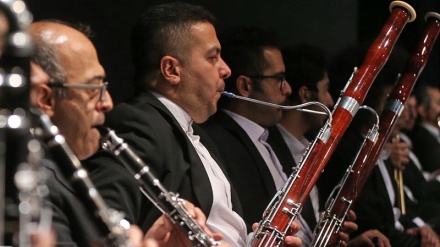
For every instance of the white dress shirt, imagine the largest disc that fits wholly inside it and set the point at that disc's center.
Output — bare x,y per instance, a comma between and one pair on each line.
389,186
222,219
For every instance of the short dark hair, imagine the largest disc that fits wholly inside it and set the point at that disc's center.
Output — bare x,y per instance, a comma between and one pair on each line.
305,66
422,96
243,51
164,30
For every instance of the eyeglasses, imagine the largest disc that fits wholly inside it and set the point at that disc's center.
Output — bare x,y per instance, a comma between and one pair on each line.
279,77
102,87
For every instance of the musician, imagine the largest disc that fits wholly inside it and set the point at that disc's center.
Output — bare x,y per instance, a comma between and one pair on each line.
179,75
69,57
238,126
426,134
306,66
409,121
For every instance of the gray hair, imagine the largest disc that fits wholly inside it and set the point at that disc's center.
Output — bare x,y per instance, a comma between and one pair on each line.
46,57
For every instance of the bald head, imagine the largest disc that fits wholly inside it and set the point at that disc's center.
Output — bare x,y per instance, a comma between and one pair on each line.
69,57
62,51
56,34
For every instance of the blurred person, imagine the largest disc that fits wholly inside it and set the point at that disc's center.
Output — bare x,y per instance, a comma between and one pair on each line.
425,134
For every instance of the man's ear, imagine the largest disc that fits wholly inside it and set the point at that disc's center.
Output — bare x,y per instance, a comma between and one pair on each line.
244,85
42,97
170,69
304,94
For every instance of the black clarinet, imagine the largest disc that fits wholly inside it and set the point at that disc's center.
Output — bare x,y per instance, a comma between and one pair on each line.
15,52
167,202
110,222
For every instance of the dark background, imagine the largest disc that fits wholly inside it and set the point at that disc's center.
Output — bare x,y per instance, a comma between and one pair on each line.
331,25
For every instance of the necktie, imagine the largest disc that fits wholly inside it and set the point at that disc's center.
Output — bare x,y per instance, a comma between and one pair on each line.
273,156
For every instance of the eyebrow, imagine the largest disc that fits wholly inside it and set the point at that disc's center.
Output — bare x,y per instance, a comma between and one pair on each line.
217,50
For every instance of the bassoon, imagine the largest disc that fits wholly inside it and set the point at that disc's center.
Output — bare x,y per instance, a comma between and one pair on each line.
345,194
286,204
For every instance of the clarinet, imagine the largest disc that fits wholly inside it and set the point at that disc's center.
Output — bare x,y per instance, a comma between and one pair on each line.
287,203
167,202
356,175
111,222
14,120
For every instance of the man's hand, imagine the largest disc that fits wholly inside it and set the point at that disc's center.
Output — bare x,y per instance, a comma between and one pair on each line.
44,239
168,234
399,153
290,240
348,227
428,236
371,238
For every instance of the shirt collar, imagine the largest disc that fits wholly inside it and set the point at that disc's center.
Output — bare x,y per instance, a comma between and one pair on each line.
182,117
254,130
433,130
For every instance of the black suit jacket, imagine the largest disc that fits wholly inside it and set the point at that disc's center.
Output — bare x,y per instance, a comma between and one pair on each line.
248,170
246,167
373,207
71,220
155,135
423,190
426,147
374,211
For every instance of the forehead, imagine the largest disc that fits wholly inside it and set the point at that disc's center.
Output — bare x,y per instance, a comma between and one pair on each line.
434,92
80,61
323,83
274,60
203,37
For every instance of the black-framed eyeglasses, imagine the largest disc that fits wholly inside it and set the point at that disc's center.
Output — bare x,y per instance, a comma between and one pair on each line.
102,87
279,77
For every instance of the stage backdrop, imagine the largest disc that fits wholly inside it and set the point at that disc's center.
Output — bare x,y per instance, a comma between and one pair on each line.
331,25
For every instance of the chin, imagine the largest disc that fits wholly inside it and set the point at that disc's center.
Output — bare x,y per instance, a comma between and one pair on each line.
88,152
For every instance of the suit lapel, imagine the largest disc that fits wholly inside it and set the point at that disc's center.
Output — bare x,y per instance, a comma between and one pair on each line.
215,155
199,177
280,148
261,165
